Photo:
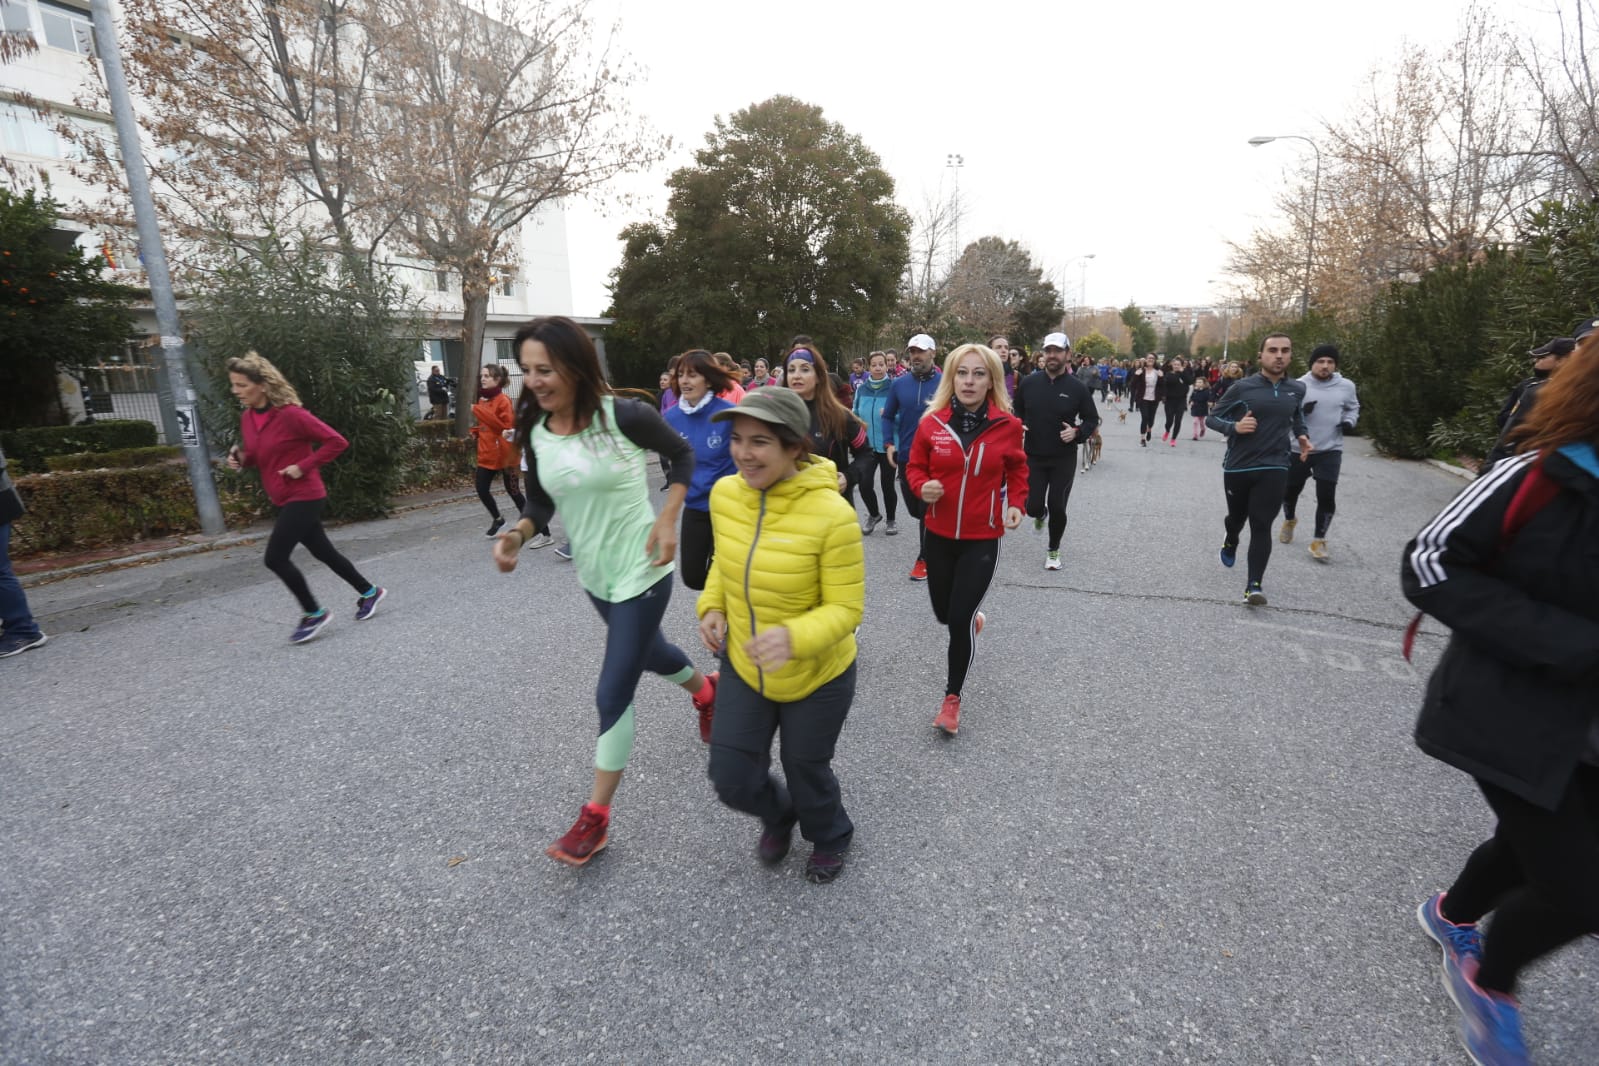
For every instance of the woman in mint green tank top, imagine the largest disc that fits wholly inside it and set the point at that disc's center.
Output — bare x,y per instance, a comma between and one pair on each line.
588,458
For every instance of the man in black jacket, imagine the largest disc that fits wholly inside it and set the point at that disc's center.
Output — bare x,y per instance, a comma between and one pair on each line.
439,388
1057,410
1546,358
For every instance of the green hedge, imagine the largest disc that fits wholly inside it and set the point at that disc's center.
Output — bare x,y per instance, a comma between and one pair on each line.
76,510
119,459
29,447
97,508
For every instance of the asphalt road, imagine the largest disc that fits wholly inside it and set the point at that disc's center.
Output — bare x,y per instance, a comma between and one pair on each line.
1172,829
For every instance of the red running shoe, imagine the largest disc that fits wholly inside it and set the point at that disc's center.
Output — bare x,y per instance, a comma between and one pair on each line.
919,571
708,708
949,715
586,837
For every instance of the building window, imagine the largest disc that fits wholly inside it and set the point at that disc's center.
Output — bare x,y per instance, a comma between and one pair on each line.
503,352
441,281
26,133
67,28
507,282
14,19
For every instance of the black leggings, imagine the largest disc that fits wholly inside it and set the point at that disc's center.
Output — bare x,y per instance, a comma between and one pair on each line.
695,547
512,483
1146,416
300,522
1538,874
1324,467
878,462
1174,418
1254,496
1049,486
917,508
958,575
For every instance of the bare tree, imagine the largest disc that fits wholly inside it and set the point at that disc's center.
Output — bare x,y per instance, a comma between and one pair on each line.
1566,144
433,128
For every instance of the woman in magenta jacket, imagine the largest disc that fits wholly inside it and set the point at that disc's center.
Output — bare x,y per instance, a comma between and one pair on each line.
967,464
288,443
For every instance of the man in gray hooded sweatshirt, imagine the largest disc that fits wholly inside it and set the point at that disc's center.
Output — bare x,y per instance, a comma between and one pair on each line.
1331,409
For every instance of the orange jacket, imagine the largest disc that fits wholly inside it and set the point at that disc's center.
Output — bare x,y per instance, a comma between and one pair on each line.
494,417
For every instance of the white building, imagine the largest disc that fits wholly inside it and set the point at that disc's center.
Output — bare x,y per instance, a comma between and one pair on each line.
56,74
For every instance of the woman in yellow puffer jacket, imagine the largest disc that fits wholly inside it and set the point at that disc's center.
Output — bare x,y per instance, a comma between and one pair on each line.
781,602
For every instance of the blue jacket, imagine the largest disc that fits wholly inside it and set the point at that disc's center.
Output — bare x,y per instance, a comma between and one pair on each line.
712,459
907,403
870,398
1279,420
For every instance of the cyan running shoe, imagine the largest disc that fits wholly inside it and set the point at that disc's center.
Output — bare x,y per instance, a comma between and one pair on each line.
1229,555
366,605
310,625
1490,1022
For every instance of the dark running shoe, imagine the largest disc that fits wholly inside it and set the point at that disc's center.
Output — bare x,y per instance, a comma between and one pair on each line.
310,625
1229,555
367,605
1255,596
774,843
586,837
823,866
10,646
494,527
564,551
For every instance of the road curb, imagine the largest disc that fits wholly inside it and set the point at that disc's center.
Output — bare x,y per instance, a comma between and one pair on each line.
123,562
1458,471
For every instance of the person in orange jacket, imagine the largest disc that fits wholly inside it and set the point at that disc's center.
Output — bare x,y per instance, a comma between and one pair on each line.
496,456
968,466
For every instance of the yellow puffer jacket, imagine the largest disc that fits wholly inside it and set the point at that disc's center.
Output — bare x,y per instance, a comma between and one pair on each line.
789,556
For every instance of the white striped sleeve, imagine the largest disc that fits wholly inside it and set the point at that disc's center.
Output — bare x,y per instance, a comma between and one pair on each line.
1426,557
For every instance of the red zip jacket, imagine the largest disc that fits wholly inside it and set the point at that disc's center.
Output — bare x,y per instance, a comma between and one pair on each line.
972,507
280,437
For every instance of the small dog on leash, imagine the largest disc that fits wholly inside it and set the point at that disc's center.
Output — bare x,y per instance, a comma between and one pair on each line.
1096,444
1122,417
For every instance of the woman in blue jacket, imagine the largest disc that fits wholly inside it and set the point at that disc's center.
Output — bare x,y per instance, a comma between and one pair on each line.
870,396
698,380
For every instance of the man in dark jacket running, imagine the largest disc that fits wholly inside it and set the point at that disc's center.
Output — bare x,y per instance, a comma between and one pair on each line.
1259,414
1057,411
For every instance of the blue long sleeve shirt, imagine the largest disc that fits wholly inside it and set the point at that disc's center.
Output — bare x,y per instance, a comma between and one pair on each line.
1279,418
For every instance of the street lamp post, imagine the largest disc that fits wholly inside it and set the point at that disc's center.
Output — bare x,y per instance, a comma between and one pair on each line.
955,162
1082,291
1315,196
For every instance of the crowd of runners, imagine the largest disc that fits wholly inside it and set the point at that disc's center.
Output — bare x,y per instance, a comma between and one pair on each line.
761,465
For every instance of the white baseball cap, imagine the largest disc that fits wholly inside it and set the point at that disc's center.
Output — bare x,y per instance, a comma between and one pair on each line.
1058,340
922,341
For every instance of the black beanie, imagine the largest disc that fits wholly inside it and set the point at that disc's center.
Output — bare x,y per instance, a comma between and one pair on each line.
1324,351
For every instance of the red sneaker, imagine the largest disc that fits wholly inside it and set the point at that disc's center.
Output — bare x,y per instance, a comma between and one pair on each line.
919,571
586,837
949,715
708,708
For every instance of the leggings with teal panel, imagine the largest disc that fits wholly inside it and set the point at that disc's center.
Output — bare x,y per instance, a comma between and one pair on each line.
633,644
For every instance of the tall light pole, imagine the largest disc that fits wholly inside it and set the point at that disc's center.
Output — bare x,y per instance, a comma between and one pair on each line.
183,410
954,162
1315,196
1082,291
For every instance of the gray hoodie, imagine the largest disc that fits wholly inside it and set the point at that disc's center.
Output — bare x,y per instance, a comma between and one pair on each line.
1335,405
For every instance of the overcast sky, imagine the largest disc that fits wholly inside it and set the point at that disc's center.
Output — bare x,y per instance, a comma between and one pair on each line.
1118,129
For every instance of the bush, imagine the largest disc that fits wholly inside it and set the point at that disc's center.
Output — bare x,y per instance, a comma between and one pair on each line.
434,428
438,462
98,508
121,458
28,448
341,337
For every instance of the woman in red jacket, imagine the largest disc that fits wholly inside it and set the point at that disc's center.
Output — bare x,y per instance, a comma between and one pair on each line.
288,444
496,456
967,463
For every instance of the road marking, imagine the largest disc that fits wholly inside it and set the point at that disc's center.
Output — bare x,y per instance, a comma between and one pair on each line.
1391,642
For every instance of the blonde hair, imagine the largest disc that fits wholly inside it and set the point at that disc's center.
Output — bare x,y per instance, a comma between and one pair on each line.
260,371
996,378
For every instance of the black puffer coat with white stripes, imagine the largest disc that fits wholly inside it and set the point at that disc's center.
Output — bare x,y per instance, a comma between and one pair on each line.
1515,698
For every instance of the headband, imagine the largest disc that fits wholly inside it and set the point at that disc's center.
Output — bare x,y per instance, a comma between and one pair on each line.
801,353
